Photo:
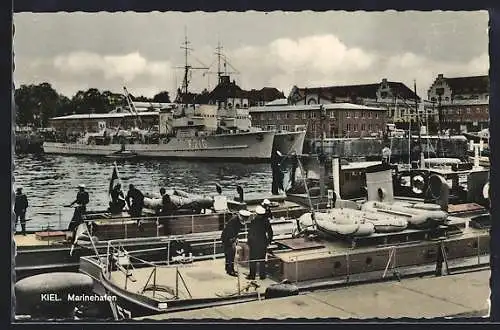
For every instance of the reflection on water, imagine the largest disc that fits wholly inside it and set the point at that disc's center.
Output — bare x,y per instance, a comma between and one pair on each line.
50,181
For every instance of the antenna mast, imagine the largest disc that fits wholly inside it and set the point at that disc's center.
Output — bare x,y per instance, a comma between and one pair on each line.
187,67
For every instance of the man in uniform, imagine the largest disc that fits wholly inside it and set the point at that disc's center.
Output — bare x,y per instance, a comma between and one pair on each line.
266,204
229,236
20,209
137,204
82,199
260,235
117,200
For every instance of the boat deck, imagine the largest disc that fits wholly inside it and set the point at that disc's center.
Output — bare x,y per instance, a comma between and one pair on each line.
203,279
429,297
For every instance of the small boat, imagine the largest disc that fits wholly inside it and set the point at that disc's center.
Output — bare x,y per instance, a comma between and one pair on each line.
416,216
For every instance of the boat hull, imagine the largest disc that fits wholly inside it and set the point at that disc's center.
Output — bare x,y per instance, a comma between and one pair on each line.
289,142
251,146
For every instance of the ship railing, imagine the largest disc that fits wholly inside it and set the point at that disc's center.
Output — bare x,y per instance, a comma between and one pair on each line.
438,262
153,280
346,269
189,226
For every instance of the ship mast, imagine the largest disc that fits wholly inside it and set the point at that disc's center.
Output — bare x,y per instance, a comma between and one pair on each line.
187,67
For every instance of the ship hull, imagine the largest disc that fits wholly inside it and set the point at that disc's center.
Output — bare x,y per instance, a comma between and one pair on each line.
289,142
251,146
79,149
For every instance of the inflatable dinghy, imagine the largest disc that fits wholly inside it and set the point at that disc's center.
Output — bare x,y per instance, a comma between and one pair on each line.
421,215
328,224
350,229
383,223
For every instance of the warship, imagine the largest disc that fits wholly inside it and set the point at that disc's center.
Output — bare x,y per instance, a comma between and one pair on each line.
185,131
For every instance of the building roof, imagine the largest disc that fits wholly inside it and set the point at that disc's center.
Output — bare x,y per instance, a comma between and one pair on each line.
105,115
266,94
358,91
229,89
469,85
312,107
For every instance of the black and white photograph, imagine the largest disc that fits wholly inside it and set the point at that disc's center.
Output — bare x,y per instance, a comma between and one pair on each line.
251,165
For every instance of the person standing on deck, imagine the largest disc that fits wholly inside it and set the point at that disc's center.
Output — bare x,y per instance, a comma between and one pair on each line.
117,200
82,199
229,236
20,209
260,235
266,204
137,197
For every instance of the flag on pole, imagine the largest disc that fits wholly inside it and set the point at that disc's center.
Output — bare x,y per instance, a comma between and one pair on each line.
114,179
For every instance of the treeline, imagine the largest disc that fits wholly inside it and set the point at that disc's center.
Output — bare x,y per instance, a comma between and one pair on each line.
35,104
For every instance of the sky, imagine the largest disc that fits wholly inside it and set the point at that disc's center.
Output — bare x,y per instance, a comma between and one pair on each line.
142,51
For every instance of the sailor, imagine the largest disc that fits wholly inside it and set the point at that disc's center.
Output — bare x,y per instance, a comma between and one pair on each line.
167,207
20,208
386,155
137,203
82,199
266,204
117,200
260,235
229,236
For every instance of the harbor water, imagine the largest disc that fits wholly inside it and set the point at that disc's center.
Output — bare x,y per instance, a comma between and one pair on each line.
50,181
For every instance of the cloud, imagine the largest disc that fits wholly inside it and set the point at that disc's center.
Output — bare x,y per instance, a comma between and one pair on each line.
126,67
316,60
324,60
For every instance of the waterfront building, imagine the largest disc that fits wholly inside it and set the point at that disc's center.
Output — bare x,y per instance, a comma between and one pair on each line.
462,102
395,97
333,119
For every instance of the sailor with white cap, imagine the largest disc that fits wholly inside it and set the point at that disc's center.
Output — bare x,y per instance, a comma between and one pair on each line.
229,236
260,235
82,199
266,204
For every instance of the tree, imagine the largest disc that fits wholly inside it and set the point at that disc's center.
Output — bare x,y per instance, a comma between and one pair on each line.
162,97
35,104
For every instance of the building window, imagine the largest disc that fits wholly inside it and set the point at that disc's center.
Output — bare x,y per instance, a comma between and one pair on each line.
304,115
347,114
278,116
355,114
286,115
311,101
376,115
369,114
332,114
313,114
285,128
362,114
355,126
348,127
363,127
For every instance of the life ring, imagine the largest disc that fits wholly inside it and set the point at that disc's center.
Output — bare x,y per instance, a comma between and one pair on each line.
417,184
